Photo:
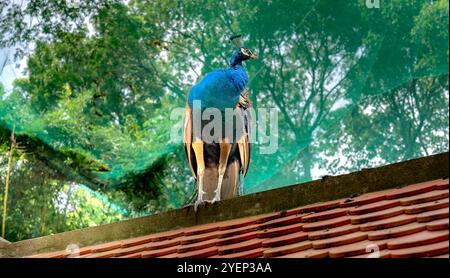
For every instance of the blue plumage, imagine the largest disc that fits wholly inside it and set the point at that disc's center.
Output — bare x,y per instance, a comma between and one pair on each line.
221,88
217,162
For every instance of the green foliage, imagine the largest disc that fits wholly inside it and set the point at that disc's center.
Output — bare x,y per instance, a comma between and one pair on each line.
40,203
431,30
43,20
115,64
390,127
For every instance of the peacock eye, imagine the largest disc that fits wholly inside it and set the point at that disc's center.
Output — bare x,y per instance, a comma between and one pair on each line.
245,51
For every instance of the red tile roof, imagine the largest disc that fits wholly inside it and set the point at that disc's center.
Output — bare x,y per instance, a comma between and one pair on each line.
408,222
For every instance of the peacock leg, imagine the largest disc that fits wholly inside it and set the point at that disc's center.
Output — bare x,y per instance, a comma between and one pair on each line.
225,149
197,145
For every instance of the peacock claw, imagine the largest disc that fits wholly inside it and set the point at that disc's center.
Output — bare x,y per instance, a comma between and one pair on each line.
216,197
197,203
199,200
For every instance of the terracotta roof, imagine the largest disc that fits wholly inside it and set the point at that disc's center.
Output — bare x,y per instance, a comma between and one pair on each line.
398,223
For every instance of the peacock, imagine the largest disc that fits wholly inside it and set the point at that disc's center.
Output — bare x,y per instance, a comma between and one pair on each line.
219,165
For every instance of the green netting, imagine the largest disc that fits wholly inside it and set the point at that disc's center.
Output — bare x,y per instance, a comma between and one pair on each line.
355,84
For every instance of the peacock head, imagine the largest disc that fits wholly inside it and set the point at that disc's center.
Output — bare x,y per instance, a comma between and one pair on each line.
241,54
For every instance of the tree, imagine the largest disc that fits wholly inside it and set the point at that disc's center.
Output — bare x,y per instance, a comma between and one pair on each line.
405,123
115,64
25,22
401,112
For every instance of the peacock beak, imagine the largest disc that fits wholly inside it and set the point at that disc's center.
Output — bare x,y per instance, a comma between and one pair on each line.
254,56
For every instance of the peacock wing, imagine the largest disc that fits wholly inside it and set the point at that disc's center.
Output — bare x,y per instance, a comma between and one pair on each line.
187,139
244,140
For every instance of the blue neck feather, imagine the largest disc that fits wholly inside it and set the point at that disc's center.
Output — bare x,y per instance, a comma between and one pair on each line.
221,88
235,59
239,77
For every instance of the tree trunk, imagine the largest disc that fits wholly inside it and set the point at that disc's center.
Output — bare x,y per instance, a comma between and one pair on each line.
307,161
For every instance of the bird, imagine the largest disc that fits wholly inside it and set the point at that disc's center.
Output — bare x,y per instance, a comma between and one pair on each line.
219,165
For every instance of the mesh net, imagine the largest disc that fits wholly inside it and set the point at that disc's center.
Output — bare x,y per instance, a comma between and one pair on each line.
355,84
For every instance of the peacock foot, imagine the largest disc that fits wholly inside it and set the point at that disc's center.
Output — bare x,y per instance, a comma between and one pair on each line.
199,200
216,197
197,203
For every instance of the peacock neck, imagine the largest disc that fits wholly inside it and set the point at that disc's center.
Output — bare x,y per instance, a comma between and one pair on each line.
237,66
239,77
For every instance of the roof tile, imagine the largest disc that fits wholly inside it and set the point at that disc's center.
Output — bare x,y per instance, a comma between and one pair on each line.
417,239
83,251
193,238
340,240
385,253
237,231
432,215
242,222
309,253
137,241
163,244
269,217
436,225
443,203
412,190
334,232
288,220
373,207
52,255
237,238
237,223
254,253
200,253
397,231
280,230
318,207
101,255
425,197
442,184
286,239
287,249
395,221
364,199
240,247
167,235
85,256
378,215
328,214
159,252
326,224
131,256
130,250
170,256
106,246
201,229
197,246
364,247
430,250
445,256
